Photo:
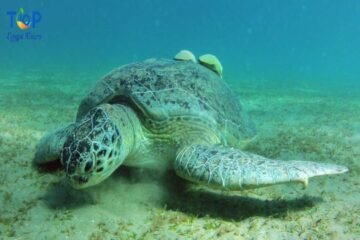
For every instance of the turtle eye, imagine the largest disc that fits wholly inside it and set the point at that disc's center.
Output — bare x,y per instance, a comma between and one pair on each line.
101,153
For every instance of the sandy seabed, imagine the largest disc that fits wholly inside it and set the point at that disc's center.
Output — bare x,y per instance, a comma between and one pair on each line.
308,123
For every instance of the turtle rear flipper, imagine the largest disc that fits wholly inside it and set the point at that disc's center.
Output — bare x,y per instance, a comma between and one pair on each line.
49,147
232,169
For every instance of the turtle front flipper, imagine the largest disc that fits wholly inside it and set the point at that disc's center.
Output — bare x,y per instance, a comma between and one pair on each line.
232,169
50,146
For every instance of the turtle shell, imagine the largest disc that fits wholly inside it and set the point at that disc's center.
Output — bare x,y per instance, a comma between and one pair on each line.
162,89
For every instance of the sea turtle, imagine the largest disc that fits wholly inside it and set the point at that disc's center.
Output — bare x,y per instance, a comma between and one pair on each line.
171,114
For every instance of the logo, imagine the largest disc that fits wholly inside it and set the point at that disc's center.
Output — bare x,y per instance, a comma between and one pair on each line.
25,21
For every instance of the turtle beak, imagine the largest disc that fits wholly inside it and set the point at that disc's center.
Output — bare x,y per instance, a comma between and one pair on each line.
78,182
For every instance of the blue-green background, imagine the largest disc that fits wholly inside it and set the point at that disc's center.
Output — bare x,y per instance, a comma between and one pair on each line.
292,41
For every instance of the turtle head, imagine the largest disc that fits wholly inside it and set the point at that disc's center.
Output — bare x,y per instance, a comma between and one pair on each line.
94,149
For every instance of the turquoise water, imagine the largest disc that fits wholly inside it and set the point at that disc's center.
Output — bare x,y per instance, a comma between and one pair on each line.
292,40
294,65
